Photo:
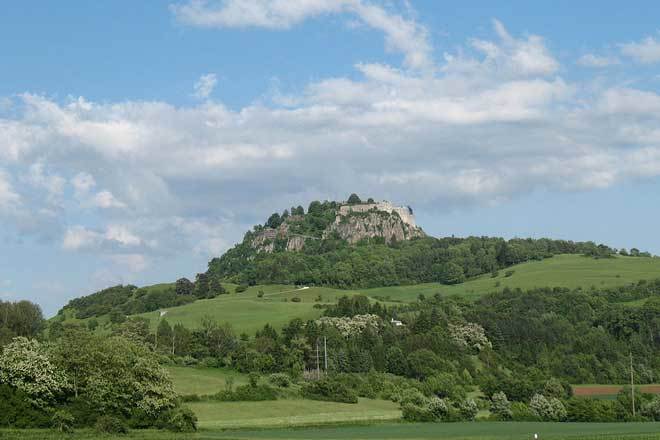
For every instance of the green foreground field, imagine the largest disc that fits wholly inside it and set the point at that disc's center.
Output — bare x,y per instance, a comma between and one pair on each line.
247,312
291,412
389,431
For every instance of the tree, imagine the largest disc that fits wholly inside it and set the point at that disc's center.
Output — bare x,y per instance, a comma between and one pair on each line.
25,365
184,286
274,221
164,336
202,287
500,406
353,199
452,273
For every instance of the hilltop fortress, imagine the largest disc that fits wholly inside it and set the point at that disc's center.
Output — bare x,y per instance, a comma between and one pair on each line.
405,212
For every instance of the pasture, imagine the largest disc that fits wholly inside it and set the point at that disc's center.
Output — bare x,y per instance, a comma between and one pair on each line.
249,311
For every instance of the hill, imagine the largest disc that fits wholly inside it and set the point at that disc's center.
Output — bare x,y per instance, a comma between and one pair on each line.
247,312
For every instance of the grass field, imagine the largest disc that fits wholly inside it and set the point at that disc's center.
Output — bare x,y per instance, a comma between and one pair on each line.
291,412
246,312
447,431
559,271
387,431
203,381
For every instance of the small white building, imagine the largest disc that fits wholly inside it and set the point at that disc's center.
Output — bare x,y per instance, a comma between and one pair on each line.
396,323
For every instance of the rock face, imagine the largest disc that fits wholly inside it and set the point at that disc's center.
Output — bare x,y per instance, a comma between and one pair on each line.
352,223
379,224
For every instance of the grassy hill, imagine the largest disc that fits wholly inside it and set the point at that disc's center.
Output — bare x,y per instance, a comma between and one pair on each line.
247,312
559,271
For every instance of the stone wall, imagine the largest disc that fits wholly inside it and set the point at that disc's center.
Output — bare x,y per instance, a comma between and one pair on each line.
404,212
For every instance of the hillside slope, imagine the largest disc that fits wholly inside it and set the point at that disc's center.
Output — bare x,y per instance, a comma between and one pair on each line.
246,312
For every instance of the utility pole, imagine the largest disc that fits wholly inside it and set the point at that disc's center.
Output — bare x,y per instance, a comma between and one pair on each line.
325,352
318,366
632,384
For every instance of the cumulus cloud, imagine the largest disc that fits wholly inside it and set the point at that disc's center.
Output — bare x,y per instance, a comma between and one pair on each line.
494,120
114,236
646,51
597,61
205,85
401,34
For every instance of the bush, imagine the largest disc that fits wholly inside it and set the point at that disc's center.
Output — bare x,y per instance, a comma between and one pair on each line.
500,407
296,299
280,380
63,421
17,412
416,413
520,412
329,390
181,419
241,288
191,398
509,273
111,425
247,393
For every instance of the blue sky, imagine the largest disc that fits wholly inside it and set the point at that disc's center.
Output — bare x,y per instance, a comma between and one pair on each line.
138,139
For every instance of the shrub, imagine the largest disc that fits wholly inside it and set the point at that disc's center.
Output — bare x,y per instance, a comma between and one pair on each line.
468,409
551,410
296,299
241,288
260,294
280,380
63,421
520,412
416,413
509,273
111,425
181,419
17,412
329,390
500,407
651,409
247,393
191,398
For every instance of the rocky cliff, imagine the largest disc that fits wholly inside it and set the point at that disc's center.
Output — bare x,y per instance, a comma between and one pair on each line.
351,223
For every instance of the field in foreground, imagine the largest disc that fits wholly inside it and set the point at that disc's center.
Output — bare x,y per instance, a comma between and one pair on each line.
291,412
474,430
389,431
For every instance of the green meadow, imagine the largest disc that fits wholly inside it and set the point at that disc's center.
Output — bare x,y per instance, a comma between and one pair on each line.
247,311
385,431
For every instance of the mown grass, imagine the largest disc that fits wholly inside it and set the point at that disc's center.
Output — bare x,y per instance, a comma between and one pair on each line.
291,412
203,381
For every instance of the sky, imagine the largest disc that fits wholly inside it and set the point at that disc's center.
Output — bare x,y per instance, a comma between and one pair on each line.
140,139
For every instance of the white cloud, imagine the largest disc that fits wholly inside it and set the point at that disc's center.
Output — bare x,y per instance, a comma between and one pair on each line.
597,61
646,51
115,236
519,57
78,237
105,199
205,85
401,34
493,121
53,184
